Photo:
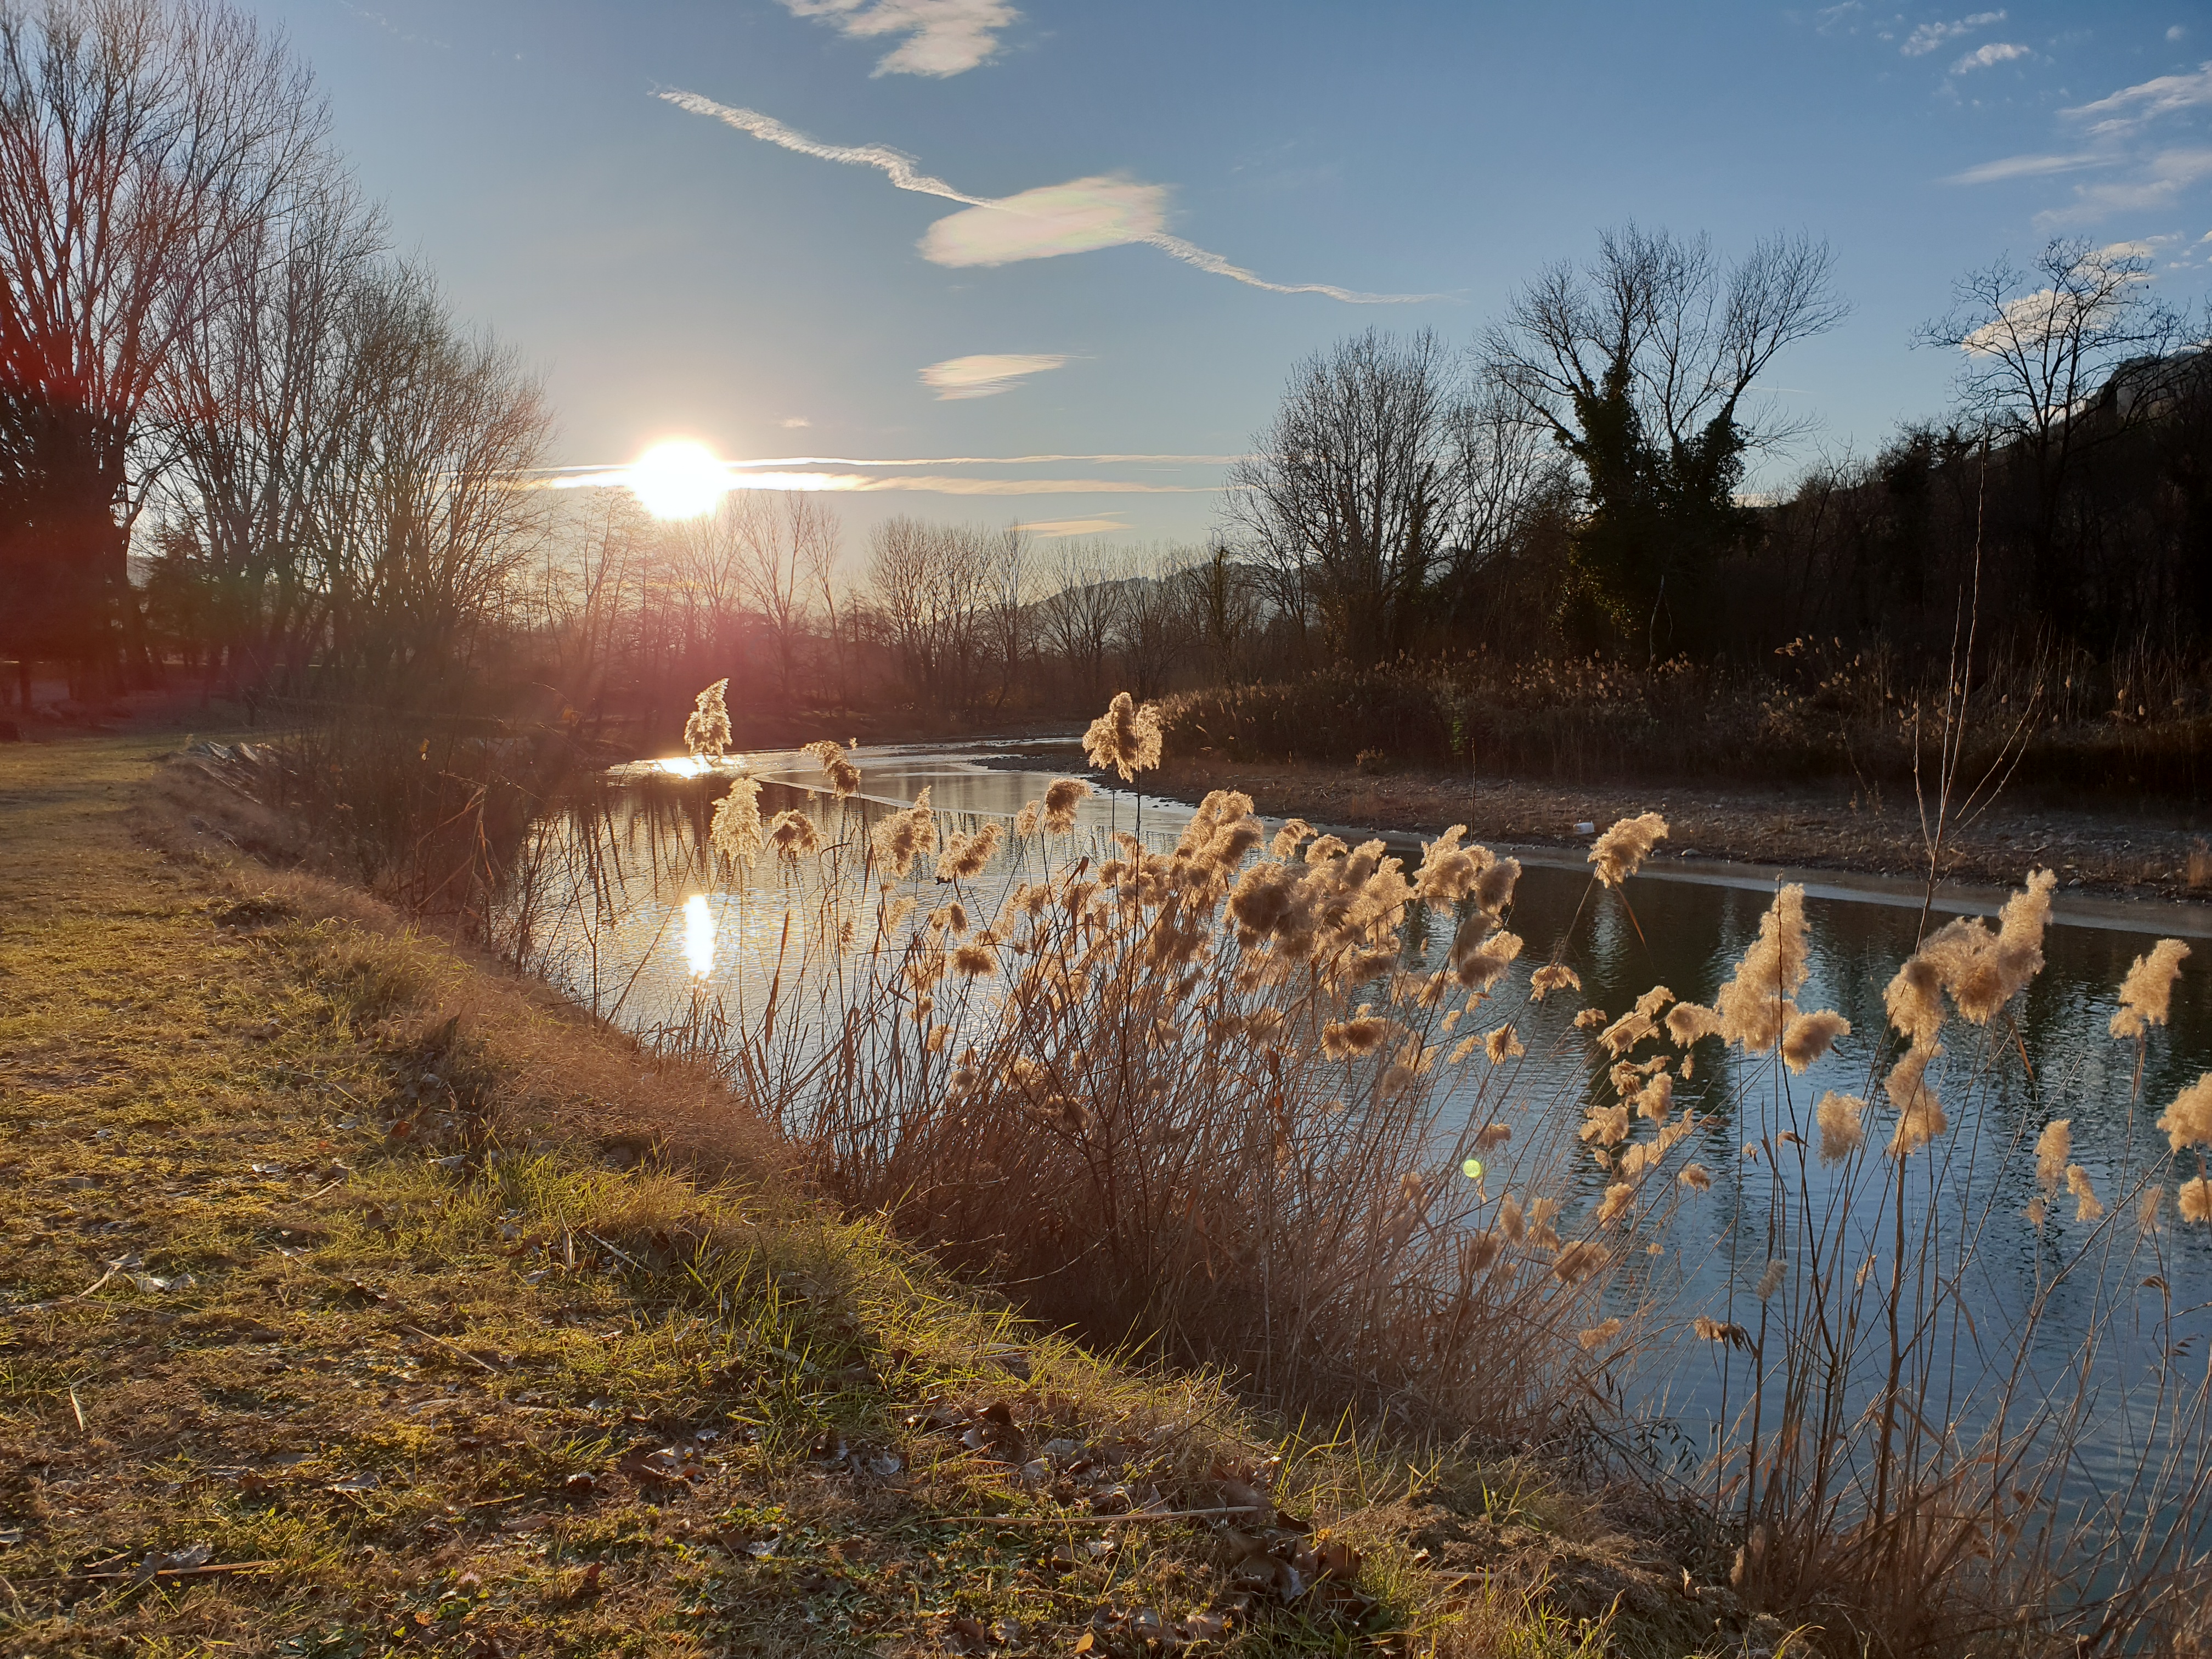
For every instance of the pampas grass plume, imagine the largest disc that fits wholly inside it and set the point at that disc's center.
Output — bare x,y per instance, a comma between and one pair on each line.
2147,991
707,732
1621,850
2188,1122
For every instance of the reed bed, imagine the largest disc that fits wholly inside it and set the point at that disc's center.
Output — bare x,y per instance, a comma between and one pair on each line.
1274,1105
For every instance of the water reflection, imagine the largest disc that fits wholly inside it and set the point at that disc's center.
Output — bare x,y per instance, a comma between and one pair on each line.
609,938
698,936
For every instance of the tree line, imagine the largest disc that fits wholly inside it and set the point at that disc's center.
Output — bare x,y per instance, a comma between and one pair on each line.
242,439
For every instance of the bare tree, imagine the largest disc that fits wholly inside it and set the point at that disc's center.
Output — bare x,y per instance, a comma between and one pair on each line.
821,580
932,590
707,559
1351,499
1078,620
785,535
1509,468
139,142
2068,352
1222,609
1639,365
250,415
575,602
1155,634
421,544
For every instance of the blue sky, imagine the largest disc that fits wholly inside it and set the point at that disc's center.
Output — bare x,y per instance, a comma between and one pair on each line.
676,275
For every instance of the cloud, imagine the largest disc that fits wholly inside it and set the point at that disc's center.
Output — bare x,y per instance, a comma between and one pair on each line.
944,37
1050,527
852,482
1037,224
985,375
1930,36
2158,180
1996,52
2176,33
1074,217
833,473
940,486
2047,314
2131,106
2027,167
987,460
791,423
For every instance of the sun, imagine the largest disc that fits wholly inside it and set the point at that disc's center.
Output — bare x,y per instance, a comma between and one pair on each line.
678,479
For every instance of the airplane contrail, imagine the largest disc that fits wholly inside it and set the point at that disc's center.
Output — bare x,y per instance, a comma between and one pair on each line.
929,460
899,168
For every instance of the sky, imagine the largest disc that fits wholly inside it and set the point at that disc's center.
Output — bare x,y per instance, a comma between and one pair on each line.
943,235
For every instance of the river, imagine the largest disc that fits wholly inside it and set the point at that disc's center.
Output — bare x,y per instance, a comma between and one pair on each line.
653,934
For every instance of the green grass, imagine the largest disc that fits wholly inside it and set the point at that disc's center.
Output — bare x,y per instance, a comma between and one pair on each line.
480,1386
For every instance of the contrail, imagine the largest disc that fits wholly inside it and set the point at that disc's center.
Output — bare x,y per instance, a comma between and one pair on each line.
896,163
929,461
618,477
899,168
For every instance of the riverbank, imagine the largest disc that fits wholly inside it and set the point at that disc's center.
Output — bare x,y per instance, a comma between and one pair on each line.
2155,854
361,1299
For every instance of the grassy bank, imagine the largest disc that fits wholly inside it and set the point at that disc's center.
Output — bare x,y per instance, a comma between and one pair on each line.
361,1301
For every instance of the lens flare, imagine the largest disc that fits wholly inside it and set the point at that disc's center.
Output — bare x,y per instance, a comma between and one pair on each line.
678,479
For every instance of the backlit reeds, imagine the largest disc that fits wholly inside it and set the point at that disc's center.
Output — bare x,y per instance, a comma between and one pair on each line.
1271,1102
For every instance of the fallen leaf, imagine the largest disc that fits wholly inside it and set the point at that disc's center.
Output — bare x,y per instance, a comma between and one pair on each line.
1340,1560
366,1480
651,1466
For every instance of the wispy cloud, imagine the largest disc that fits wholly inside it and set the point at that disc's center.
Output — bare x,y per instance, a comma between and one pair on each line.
1932,37
943,37
1036,224
947,486
985,375
1844,17
2028,166
838,473
1054,527
1984,56
792,422
2131,106
2114,134
988,460
616,478
2157,181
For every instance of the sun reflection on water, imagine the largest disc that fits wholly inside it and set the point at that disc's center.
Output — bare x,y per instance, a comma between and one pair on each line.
698,936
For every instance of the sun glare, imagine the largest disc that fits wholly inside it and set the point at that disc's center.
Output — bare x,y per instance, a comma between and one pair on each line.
678,479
